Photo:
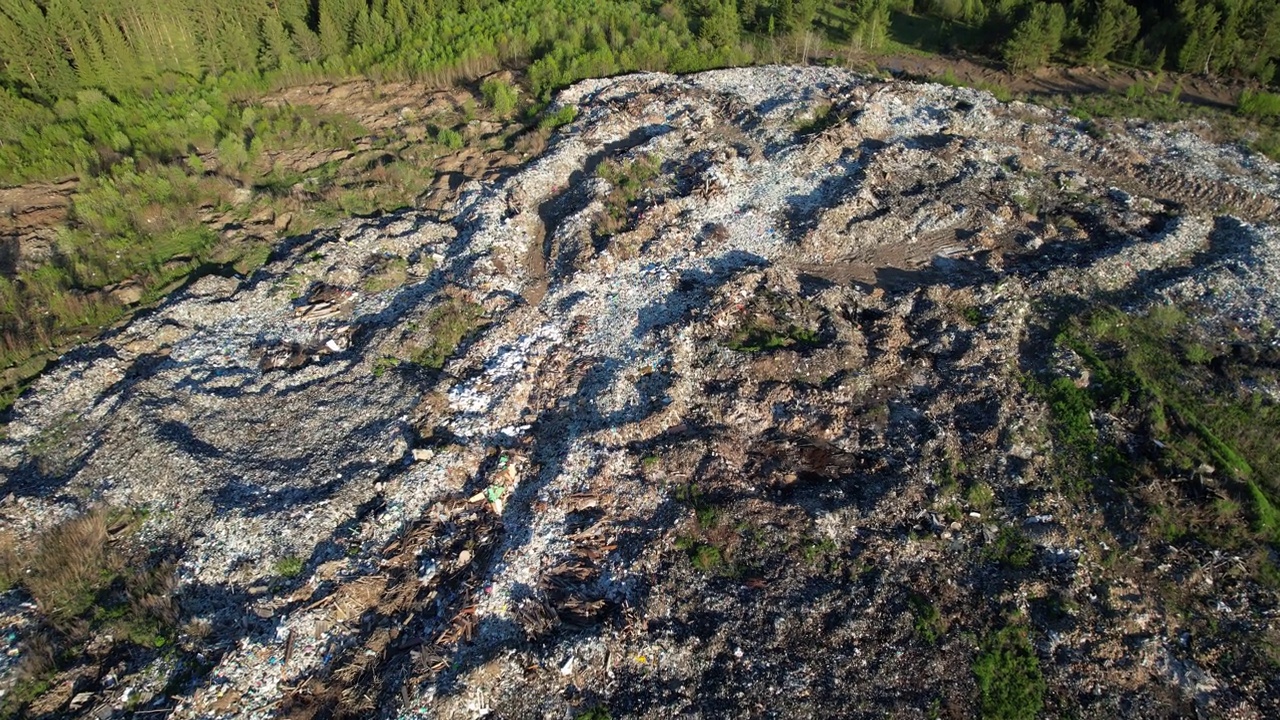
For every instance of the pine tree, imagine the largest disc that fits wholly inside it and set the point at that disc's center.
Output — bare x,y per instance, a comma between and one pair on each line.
719,23
1200,25
397,17
33,57
1036,38
277,49
1261,39
337,17
748,13
371,31
238,43
1114,25
73,27
870,28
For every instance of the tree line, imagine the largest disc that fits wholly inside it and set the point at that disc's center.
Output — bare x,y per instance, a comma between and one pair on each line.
1211,37
49,49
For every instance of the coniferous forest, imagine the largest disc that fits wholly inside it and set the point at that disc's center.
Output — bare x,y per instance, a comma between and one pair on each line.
131,97
150,78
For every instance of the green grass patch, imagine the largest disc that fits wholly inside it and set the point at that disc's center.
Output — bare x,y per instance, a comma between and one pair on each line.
1007,671
815,550
980,497
703,555
289,567
999,92
1010,548
765,335
388,273
926,620
444,328
1197,398
86,583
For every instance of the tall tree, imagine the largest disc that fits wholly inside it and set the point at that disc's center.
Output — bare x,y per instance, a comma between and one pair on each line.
719,23
1261,36
277,48
870,28
32,56
1109,26
1036,38
1200,28
337,17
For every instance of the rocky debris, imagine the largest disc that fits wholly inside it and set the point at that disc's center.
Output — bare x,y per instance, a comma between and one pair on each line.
683,450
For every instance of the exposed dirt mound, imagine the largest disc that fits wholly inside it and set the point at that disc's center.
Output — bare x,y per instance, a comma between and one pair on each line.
744,399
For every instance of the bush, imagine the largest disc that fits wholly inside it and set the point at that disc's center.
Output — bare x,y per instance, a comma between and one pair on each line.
559,118
1011,548
1259,104
449,138
499,96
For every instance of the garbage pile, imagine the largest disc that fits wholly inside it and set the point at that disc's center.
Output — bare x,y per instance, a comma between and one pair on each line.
718,407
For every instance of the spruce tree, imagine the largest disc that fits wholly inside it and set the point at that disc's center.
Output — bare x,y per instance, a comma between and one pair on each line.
719,22
1114,24
1036,38
277,48
870,29
33,58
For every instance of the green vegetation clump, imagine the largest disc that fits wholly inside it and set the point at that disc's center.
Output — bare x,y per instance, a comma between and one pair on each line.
383,364
763,336
704,556
1010,685
559,118
1011,548
499,96
823,118
1260,104
289,567
445,328
815,549
927,621
980,497
973,315
598,712
449,138
630,181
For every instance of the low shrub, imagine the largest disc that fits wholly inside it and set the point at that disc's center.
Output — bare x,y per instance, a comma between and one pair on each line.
1257,103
